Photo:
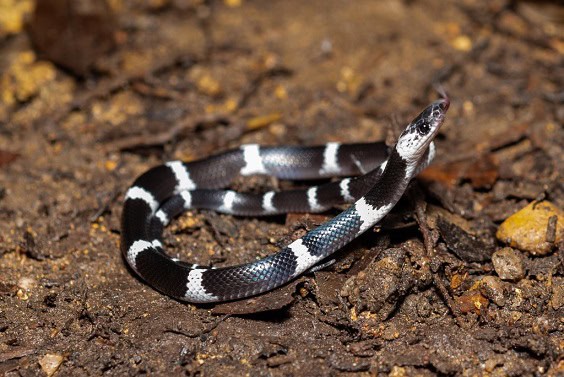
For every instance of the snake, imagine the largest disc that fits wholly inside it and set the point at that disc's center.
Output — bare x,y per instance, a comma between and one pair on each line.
380,176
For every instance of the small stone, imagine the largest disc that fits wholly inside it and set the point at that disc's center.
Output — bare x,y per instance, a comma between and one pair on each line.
492,363
462,43
397,372
22,295
50,363
60,28
26,283
536,228
471,302
508,264
233,3
492,288
456,280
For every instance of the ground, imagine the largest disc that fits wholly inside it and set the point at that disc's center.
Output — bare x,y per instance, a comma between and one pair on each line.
445,286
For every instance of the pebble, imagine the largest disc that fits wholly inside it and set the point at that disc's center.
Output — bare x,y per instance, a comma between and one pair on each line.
398,372
58,27
50,363
26,283
471,302
492,288
535,228
508,264
462,43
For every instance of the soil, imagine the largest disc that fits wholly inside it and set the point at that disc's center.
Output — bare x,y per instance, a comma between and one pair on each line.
183,79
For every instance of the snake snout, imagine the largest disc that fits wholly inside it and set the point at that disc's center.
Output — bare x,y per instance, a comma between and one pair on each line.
440,105
444,103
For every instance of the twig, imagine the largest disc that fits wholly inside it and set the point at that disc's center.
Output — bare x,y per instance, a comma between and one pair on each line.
421,218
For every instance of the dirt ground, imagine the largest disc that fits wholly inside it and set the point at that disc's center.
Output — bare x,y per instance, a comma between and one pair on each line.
445,286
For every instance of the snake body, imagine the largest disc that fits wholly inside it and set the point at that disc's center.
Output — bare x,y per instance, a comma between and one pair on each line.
167,190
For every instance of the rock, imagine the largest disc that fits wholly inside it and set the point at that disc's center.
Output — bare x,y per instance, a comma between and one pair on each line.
536,228
508,264
467,246
471,302
60,28
50,363
493,289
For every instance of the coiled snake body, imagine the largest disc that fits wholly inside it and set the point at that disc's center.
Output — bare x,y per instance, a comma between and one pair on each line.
167,190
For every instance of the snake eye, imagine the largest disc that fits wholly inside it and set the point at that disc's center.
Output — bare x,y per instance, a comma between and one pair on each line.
424,129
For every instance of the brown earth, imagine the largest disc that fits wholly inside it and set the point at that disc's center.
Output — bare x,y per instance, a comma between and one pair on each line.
185,79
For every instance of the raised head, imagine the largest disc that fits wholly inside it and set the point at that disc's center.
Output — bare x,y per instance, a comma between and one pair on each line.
413,142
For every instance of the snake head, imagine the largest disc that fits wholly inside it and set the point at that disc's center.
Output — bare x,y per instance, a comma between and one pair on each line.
417,136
